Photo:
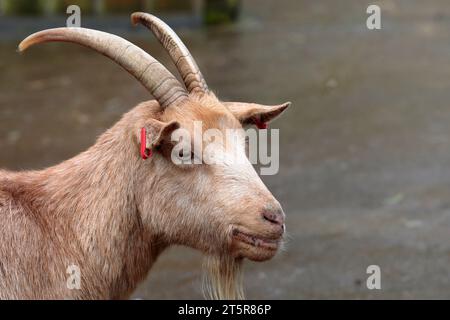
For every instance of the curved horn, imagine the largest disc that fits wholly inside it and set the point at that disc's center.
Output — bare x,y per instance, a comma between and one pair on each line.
151,73
185,63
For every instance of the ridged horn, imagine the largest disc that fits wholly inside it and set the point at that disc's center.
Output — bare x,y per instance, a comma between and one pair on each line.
151,73
185,63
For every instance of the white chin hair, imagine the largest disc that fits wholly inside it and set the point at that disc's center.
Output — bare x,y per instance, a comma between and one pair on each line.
222,278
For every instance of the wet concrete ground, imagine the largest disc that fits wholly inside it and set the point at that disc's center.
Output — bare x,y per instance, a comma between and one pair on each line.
365,150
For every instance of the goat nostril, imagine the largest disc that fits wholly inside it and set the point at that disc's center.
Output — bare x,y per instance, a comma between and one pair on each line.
273,217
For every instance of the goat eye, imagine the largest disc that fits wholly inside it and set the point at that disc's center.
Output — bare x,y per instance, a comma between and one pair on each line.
181,154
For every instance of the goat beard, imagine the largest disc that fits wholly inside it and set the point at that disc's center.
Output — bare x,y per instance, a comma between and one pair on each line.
222,278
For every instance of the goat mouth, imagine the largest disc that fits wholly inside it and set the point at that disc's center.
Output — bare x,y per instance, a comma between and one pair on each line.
256,241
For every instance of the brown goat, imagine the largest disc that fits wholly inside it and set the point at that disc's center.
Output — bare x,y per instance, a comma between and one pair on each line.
111,213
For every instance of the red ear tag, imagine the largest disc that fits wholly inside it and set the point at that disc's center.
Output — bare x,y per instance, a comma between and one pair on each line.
260,125
145,152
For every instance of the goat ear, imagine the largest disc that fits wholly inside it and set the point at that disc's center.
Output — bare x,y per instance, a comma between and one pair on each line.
157,132
252,113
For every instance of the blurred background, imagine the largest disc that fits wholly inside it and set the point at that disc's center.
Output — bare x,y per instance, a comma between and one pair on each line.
364,165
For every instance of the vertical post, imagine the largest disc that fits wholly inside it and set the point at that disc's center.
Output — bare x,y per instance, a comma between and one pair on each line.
2,7
197,8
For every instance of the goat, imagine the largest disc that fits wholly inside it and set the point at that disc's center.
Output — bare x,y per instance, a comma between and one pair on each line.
111,214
